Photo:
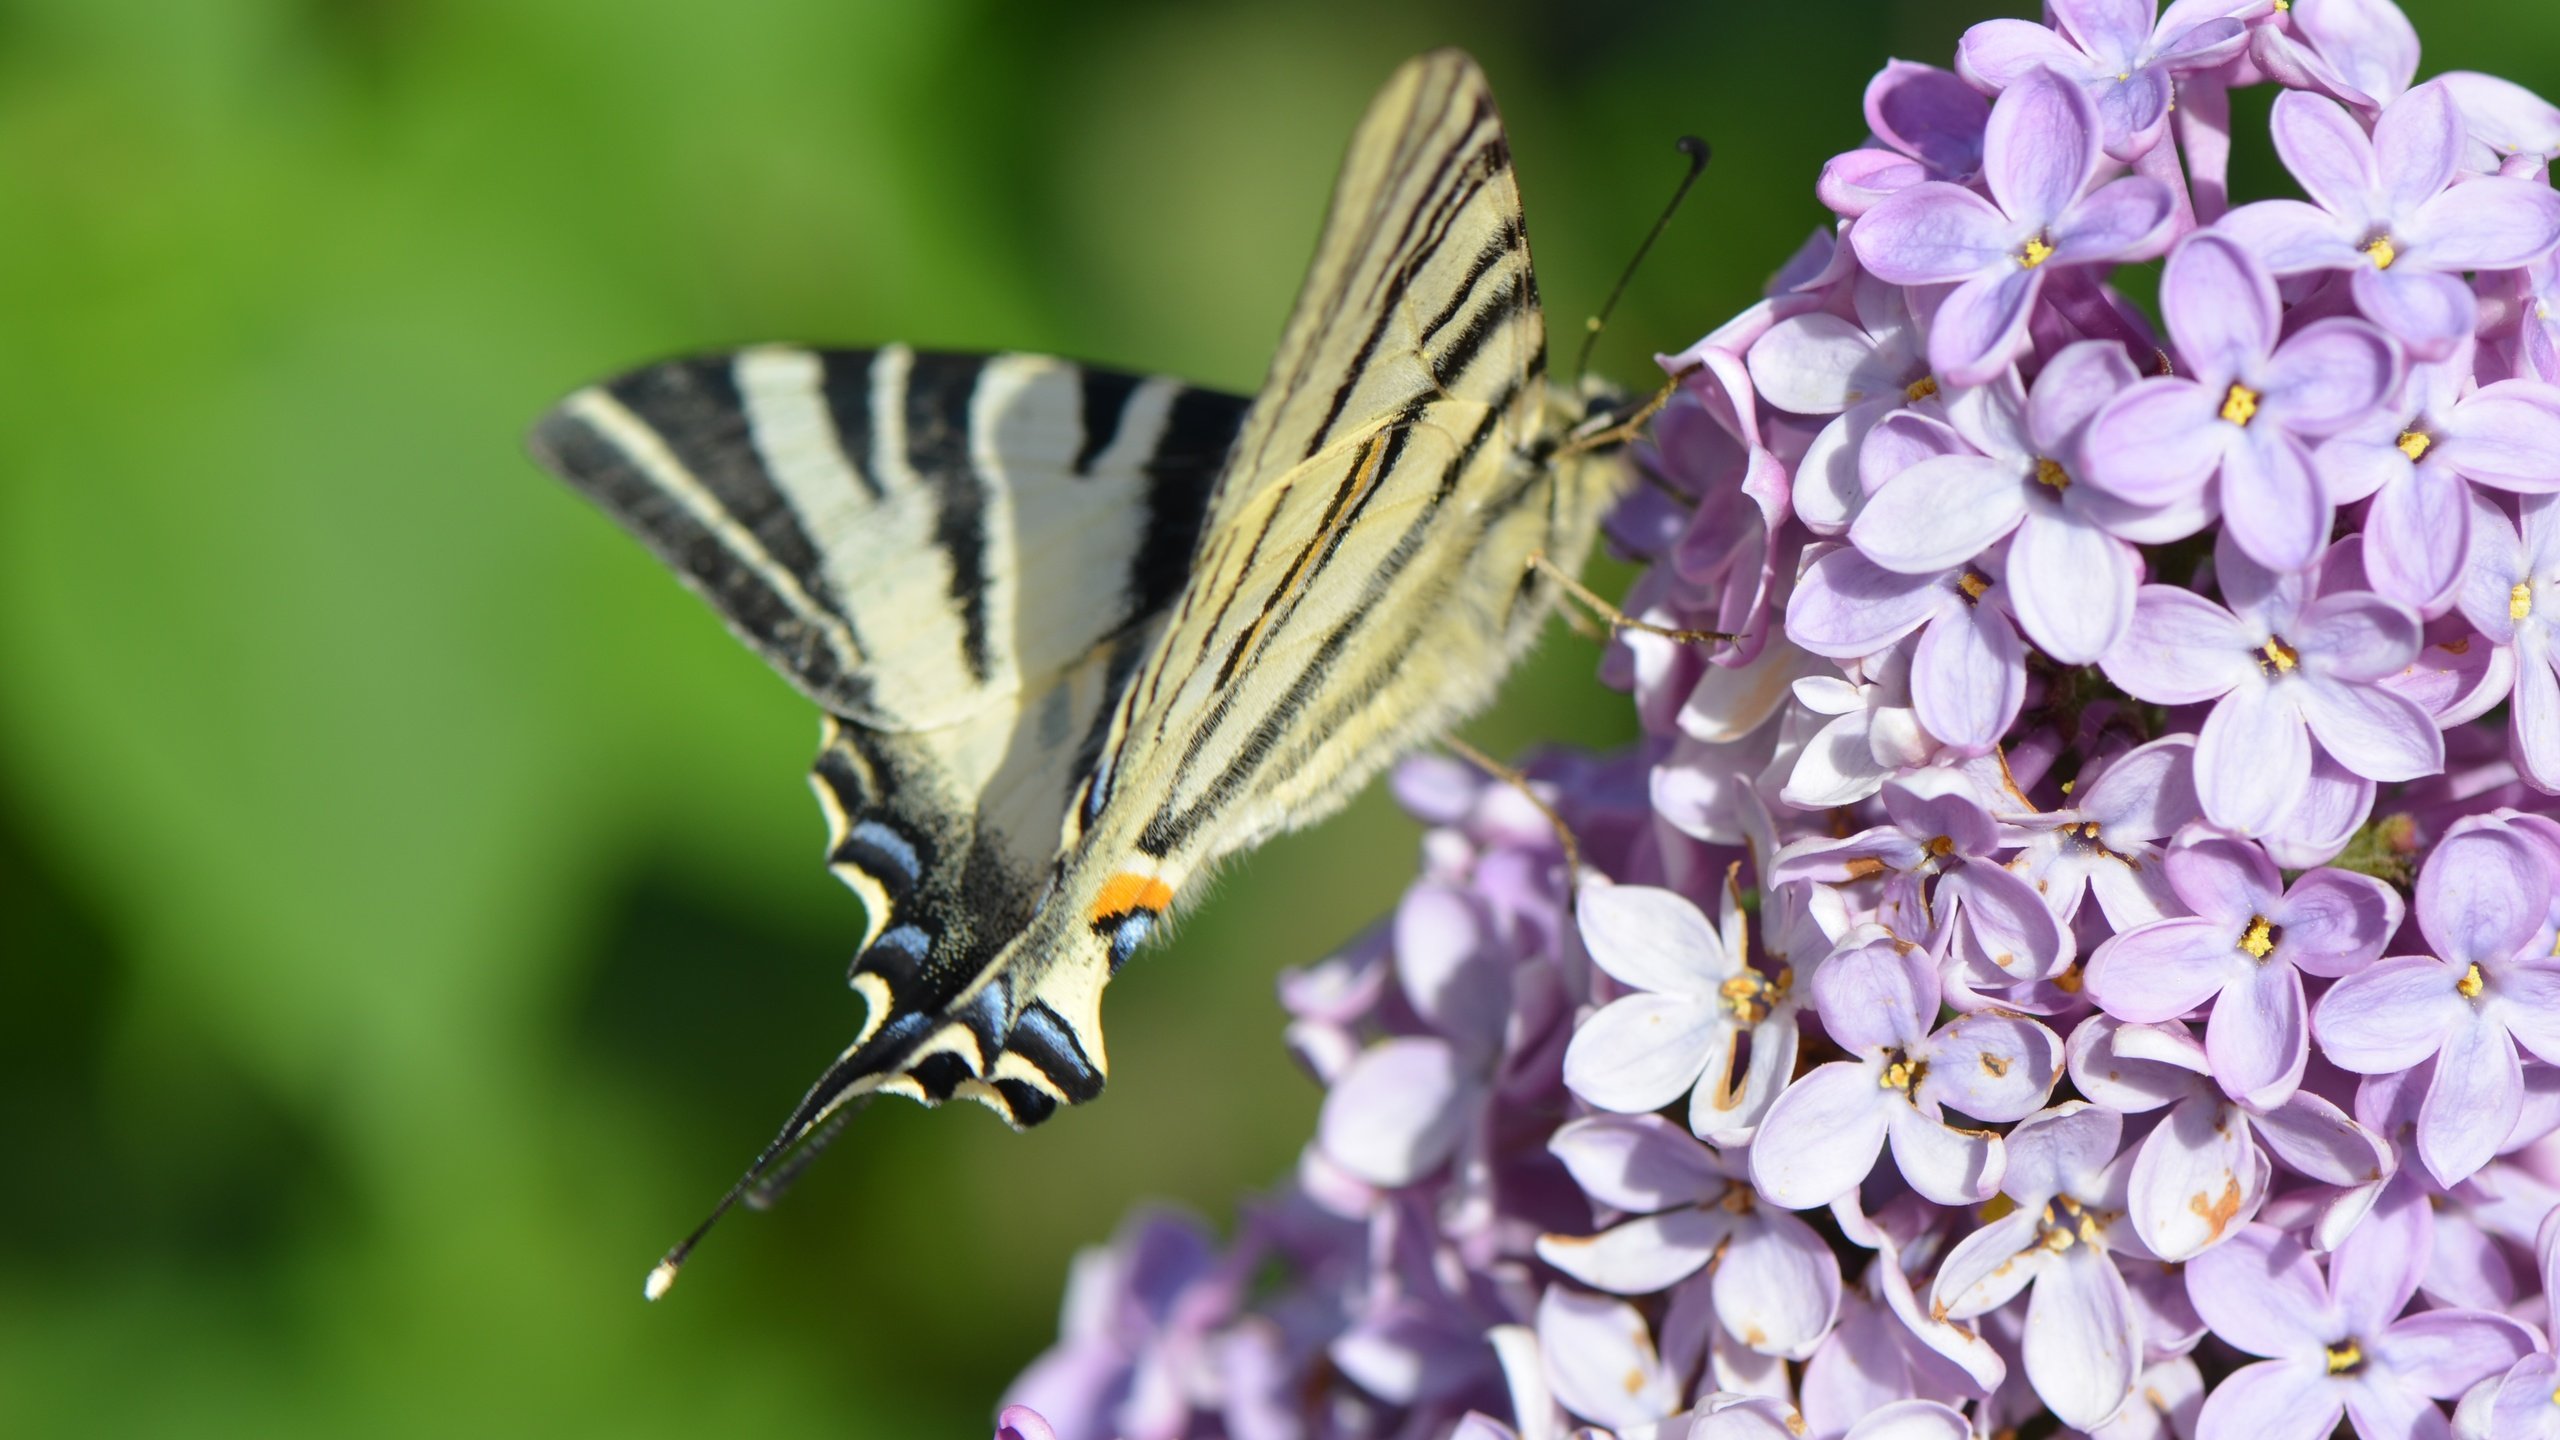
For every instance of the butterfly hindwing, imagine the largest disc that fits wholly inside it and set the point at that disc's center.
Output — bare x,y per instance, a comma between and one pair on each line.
960,557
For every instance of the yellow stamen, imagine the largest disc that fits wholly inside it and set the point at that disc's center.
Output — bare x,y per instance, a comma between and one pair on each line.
2520,600
1940,847
2037,251
2471,984
2345,1356
2259,939
1974,584
2240,406
2280,656
2058,1239
2050,473
1920,389
2414,443
1903,1075
1737,1199
2381,252
1998,1207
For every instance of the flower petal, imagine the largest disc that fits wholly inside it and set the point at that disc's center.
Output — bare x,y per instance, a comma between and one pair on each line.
2416,534
2272,502
2083,1344
1940,513
1645,1254
1847,606
2328,375
1642,1052
2160,971
2072,585
2157,443
1777,1289
2261,1291
2291,237
2221,304
2389,1016
1991,1066
1932,234
2333,921
2371,731
2253,758
1652,939
2180,649
1969,677
2329,153
2040,148
1982,327
2128,219
2195,1180
1988,1268
1600,1359
1397,1114
2258,1038
1997,54
2472,1103
1821,1137
2417,145
2442,1353
2483,894
2430,312
2486,224
1637,1163
2273,1400
1947,1164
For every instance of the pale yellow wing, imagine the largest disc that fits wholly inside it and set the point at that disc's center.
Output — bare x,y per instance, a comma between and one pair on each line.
1420,288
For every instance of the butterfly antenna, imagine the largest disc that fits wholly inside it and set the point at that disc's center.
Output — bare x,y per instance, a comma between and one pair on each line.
1698,153
759,1188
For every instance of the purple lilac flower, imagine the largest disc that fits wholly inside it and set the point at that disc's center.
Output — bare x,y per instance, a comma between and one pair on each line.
1968,672
2414,461
2071,567
2206,1168
2510,589
2125,53
2038,607
2336,1343
2246,405
1877,1002
2483,904
2506,121
2039,156
1702,1023
2283,668
2107,841
2245,946
2387,210
2363,52
1928,125
1997,928
2066,1213
1775,1284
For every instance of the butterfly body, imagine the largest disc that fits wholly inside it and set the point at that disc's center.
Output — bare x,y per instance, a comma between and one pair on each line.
1078,635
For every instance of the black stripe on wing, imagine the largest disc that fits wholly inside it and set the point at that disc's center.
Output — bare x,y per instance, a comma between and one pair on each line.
939,391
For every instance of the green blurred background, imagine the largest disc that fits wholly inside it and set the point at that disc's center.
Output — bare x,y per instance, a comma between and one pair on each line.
410,910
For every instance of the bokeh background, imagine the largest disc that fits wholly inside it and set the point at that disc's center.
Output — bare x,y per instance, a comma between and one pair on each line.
410,910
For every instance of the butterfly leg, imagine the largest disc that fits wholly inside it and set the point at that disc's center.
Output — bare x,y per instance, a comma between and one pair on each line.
1520,782
1615,618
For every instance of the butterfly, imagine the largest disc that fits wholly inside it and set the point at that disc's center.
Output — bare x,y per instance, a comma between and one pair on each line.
1078,634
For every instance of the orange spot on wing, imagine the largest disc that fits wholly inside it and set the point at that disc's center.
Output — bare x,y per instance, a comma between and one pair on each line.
1125,892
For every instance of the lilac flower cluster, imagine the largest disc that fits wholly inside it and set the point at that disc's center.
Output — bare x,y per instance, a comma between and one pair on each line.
2088,955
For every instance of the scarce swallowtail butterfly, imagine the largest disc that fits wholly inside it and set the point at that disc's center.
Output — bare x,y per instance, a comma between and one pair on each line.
1077,634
